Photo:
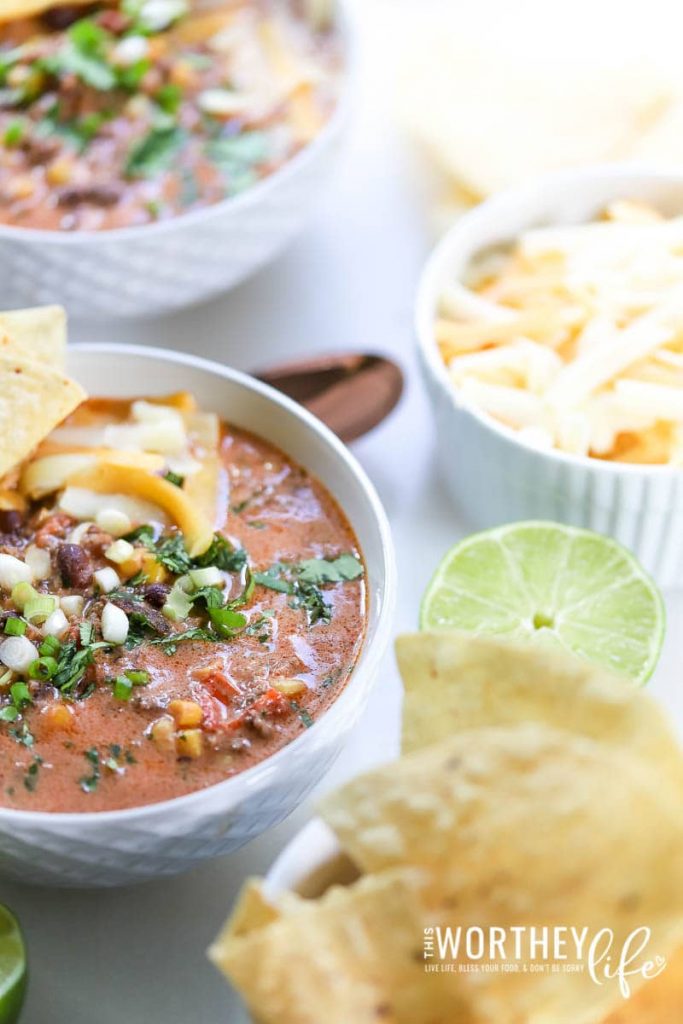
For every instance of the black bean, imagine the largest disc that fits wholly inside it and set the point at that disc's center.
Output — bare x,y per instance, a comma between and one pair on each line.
156,594
10,520
74,565
98,195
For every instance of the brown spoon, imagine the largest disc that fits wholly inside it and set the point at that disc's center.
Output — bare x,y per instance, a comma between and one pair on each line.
351,392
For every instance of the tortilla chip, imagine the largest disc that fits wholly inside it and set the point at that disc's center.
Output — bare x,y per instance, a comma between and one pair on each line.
353,957
253,911
527,825
33,400
494,105
660,1001
38,334
455,681
13,10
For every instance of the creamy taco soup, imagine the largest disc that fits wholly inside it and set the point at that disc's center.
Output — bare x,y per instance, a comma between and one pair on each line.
143,657
121,114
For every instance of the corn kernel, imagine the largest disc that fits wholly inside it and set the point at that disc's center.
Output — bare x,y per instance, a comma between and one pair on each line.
58,717
132,565
163,734
186,713
59,172
290,687
184,75
154,571
21,187
189,743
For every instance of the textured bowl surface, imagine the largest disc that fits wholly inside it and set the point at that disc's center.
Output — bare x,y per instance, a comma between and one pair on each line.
120,847
156,268
493,476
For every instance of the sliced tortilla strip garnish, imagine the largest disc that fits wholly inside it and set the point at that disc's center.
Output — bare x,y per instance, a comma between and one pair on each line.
51,472
116,478
13,10
33,400
207,488
454,682
38,334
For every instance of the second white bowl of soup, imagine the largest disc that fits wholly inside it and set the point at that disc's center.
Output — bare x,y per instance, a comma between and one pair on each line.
515,309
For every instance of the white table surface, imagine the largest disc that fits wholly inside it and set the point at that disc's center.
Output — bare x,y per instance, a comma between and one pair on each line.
137,955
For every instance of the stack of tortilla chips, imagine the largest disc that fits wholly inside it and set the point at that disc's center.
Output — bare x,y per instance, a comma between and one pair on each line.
534,791
35,393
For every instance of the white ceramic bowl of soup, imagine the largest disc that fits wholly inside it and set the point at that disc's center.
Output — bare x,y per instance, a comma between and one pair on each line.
493,475
156,268
120,847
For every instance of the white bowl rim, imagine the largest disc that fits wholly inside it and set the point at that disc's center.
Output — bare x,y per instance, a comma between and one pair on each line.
433,276
251,196
368,657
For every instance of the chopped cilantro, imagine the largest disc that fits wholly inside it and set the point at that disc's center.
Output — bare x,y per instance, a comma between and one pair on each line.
89,783
31,776
304,716
175,479
324,570
155,152
83,54
22,734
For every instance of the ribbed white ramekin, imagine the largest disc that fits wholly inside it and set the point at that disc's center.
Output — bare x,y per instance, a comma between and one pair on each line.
156,268
494,476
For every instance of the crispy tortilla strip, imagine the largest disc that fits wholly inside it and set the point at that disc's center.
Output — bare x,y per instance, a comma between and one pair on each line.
353,956
527,825
38,334
455,681
660,1001
113,478
13,10
33,400
207,489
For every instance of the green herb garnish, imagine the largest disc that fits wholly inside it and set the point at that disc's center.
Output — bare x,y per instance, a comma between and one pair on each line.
15,627
153,154
83,54
175,479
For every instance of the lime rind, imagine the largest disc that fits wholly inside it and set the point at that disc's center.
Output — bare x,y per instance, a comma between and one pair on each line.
12,968
556,584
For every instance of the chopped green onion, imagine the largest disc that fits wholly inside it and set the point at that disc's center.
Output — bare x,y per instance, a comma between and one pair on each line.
123,688
175,479
178,605
20,694
21,594
40,608
138,677
9,713
50,647
15,627
169,97
14,133
43,668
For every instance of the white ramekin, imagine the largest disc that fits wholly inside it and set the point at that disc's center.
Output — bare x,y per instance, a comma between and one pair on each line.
156,268
120,847
495,477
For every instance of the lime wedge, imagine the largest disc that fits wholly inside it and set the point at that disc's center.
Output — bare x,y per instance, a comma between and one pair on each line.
12,968
556,584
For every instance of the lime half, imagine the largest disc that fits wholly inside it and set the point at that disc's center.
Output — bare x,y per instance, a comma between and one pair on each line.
557,584
12,968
